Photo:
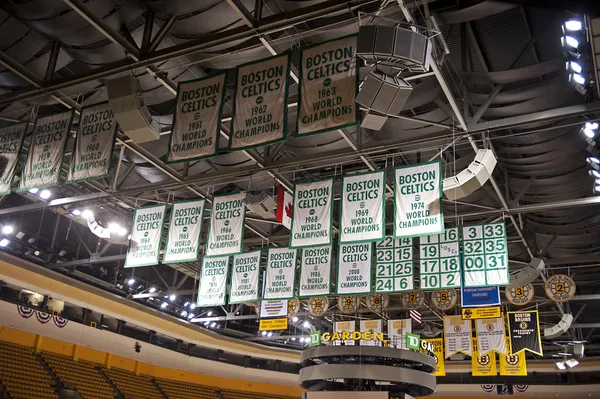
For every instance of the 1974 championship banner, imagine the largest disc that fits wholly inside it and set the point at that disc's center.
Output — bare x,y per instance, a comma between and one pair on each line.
226,225
183,241
11,140
311,218
363,207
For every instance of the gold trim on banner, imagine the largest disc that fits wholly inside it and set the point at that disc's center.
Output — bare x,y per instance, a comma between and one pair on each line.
444,299
348,304
318,305
560,288
377,302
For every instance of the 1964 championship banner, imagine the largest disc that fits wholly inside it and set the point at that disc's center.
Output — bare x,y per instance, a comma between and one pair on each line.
11,140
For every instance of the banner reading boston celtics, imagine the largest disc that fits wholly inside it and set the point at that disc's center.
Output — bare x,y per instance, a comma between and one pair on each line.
244,278
260,103
311,217
183,240
354,269
363,209
50,134
226,230
328,86
146,234
213,281
418,200
94,143
197,119
281,274
11,140
315,271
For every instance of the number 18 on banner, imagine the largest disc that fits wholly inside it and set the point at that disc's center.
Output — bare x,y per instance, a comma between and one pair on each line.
440,263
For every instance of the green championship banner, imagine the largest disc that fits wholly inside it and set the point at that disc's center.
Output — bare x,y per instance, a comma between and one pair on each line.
312,214
418,200
197,119
315,271
213,281
226,231
354,269
44,161
146,234
260,103
94,143
328,86
363,207
440,260
244,278
485,255
281,274
183,241
394,265
11,141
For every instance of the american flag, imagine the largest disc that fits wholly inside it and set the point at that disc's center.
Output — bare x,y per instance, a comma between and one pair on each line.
416,316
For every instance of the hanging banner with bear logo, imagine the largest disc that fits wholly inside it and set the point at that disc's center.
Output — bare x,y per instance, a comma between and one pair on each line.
328,86
226,232
363,207
312,214
369,327
11,141
438,352
183,241
44,160
397,330
260,103
514,364
281,274
418,200
483,365
213,281
457,336
315,271
490,335
354,269
524,332
244,278
197,119
146,233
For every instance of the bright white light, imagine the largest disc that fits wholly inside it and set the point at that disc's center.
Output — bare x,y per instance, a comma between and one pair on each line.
301,339
592,125
295,319
113,227
75,212
191,316
306,324
570,41
293,338
593,160
130,281
122,232
183,313
129,237
270,334
589,132
185,304
572,363
597,189
164,305
152,289
573,25
193,306
33,190
45,194
8,229
4,242
561,365
213,324
209,313
577,78
206,324
263,333
87,214
172,297
573,66
37,253
595,173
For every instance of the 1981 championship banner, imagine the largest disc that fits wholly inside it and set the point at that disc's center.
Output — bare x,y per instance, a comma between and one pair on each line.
311,218
244,277
11,140
226,231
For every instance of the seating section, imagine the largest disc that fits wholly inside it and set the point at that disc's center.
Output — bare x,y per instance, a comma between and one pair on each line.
232,394
133,386
23,375
80,375
186,390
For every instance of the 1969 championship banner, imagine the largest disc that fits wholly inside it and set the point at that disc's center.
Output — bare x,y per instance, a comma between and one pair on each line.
328,86
183,241
312,214
244,277
260,103
213,281
226,225
197,119
11,140
146,233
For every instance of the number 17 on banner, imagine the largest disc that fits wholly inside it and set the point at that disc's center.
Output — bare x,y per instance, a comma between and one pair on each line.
440,263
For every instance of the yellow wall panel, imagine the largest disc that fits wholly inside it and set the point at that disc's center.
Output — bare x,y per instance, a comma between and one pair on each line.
53,345
91,355
17,337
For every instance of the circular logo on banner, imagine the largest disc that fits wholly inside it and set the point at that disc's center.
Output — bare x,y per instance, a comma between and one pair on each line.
377,302
457,329
318,305
413,299
489,327
444,299
488,387
560,288
293,307
519,296
484,360
512,359
348,304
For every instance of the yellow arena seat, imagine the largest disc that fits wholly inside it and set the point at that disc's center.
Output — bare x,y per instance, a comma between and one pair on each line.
133,386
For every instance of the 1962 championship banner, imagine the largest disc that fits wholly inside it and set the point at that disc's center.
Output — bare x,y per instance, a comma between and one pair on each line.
146,233
363,207
244,278
311,217
328,86
260,103
226,225
197,119
183,241
94,143
213,281
11,140
281,274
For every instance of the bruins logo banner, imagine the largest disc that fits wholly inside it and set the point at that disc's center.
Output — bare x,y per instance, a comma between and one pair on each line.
397,330
318,305
490,335
11,141
457,336
372,326
524,332
438,351
483,365
514,364
345,326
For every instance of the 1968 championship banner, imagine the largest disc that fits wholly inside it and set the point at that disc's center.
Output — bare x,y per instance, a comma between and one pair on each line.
146,234
311,217
197,119
260,103
11,140
183,241
226,225
328,86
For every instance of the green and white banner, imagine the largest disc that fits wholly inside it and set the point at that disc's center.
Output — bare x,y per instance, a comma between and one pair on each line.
281,274
363,207
244,278
44,161
260,103
213,281
354,269
440,260
328,86
183,241
11,141
146,234
94,143
197,119
311,217
226,231
315,271
418,200
485,255
394,265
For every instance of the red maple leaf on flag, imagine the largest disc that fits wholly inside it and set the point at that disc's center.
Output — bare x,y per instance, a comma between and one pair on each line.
288,210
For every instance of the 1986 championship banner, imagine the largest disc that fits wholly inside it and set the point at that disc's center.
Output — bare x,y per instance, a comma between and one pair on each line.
226,231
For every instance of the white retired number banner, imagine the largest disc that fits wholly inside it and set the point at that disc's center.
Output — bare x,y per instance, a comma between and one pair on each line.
397,330
244,278
197,119
44,161
146,233
363,207
490,336
328,86
418,200
260,103
11,140
354,269
457,336
226,225
94,143
183,241
281,274
213,281
315,271
311,217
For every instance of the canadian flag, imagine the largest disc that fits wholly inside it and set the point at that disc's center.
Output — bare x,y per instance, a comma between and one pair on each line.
284,207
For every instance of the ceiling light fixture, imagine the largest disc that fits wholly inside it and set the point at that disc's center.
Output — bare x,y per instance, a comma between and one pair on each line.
270,334
76,212
131,281
263,333
8,229
183,313
577,78
4,242
561,365
573,66
172,297
573,25
164,305
213,324
306,324
33,190
87,214
209,313
295,319
191,316
569,41
152,289
45,194
192,306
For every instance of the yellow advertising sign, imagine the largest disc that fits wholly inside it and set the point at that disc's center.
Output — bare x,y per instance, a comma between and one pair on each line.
514,364
483,366
492,312
273,324
438,351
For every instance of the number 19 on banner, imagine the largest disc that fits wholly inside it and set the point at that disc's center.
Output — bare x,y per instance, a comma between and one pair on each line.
440,266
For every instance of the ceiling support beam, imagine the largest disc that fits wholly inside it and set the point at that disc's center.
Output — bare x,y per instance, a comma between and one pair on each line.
147,35
52,60
162,32
243,12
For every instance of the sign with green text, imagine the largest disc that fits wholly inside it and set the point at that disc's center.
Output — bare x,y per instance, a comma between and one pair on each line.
440,260
244,277
146,233
183,241
281,274
11,141
394,265
354,269
485,252
315,271
213,281
226,231
311,217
